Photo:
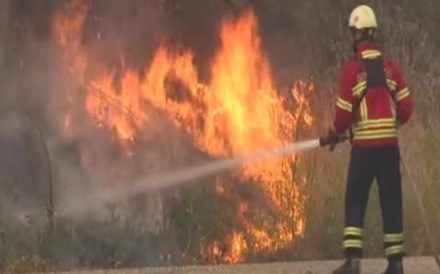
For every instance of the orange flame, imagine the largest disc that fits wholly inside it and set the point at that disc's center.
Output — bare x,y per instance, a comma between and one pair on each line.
68,28
241,110
242,100
245,114
119,111
238,248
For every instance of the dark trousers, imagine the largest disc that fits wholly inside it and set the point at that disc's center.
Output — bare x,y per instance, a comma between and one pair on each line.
366,164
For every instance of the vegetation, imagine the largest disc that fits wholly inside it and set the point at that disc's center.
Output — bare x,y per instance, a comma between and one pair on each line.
317,39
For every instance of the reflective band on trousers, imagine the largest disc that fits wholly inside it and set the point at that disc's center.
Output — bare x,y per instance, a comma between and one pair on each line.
395,249
390,238
352,244
352,230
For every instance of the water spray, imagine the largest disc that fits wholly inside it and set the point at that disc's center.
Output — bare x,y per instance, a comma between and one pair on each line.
170,179
173,178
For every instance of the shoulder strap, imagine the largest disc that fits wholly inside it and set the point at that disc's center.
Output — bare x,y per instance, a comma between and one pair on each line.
375,72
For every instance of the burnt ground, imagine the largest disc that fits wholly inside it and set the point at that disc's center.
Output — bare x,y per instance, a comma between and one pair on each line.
416,265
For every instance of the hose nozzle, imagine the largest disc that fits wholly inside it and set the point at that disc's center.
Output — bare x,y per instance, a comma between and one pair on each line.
332,140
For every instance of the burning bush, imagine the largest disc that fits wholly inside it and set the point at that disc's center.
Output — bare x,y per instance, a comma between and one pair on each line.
239,110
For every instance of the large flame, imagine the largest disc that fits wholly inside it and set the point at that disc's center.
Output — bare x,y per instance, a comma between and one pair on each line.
240,108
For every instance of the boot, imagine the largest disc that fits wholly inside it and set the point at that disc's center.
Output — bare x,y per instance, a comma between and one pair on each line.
394,268
350,266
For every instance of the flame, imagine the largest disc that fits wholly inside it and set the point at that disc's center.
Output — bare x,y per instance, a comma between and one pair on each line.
167,67
237,249
119,111
245,113
240,107
242,100
68,27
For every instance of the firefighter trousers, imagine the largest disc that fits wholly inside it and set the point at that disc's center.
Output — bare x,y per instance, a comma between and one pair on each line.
366,164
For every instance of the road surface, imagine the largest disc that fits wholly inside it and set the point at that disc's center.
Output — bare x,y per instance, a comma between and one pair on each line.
419,265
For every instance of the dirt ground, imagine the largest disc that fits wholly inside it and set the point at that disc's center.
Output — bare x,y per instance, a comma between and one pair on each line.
419,265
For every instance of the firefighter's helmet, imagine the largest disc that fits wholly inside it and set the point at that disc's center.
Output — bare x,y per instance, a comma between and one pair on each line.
362,17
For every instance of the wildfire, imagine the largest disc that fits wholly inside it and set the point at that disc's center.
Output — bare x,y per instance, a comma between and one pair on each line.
68,27
240,108
245,113
120,111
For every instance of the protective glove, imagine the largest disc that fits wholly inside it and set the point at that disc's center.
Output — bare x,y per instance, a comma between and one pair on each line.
332,139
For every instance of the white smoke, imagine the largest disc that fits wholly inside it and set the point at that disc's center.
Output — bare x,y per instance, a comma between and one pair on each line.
170,178
117,35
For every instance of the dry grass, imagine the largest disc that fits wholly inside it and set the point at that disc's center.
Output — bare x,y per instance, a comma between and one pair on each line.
412,266
412,45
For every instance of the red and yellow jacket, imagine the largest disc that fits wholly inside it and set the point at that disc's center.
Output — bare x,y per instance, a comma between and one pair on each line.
377,114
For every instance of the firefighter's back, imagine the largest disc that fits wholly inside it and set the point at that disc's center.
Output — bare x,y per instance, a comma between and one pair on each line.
378,92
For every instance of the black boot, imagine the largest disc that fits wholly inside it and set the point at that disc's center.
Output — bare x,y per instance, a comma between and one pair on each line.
350,266
394,268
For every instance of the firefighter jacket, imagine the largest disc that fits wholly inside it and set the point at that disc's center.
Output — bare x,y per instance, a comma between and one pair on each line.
371,108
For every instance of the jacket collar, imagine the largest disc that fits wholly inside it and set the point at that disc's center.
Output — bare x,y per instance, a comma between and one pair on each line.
364,46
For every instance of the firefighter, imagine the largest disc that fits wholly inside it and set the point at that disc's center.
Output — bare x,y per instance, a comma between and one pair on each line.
373,102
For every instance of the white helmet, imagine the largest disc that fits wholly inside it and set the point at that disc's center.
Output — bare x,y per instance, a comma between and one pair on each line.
362,17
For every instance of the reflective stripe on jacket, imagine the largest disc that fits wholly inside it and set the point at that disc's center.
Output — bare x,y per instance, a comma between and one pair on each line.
375,115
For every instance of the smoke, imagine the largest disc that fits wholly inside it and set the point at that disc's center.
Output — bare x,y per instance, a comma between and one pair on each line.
120,35
164,180
56,157
38,88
